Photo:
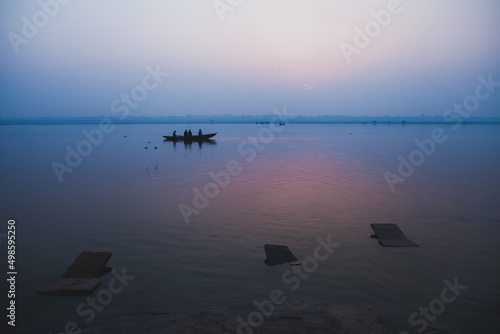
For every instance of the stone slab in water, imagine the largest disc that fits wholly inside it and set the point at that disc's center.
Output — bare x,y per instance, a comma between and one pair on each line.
80,278
89,265
70,287
390,235
278,254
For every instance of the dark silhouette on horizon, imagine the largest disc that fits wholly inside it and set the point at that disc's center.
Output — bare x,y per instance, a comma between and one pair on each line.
188,136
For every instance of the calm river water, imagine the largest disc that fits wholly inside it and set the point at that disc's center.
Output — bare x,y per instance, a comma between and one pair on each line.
295,184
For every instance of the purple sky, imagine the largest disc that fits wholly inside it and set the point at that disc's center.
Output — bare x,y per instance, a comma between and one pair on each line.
89,58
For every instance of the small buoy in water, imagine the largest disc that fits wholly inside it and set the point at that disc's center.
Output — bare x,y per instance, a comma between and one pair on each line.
125,136
146,148
149,142
156,148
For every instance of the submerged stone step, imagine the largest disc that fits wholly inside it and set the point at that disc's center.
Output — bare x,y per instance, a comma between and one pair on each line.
70,287
81,276
390,235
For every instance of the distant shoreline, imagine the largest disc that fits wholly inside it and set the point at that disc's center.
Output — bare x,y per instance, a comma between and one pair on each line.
265,119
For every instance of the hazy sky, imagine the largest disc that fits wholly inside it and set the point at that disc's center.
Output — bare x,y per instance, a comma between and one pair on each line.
83,58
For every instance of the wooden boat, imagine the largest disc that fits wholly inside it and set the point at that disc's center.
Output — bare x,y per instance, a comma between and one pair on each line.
191,138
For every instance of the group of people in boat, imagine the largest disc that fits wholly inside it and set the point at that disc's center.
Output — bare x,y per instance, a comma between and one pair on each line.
187,134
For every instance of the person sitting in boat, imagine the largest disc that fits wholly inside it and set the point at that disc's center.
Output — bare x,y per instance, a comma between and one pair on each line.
199,133
190,134
185,133
174,135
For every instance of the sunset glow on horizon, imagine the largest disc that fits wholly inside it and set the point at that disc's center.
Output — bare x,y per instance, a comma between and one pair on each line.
73,59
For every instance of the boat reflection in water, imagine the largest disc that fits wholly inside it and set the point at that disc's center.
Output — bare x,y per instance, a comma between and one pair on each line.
189,144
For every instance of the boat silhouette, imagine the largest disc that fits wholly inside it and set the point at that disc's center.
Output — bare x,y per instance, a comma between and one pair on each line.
190,138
